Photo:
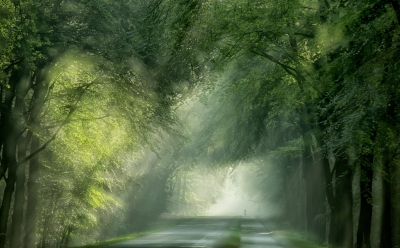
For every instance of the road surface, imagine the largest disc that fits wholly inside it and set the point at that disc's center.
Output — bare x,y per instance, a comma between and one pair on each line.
254,235
206,232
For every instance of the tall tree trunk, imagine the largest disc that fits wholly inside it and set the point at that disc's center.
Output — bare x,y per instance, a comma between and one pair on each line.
17,217
364,223
8,158
315,196
5,127
33,185
314,181
184,204
319,198
6,120
5,205
18,213
68,235
30,222
295,194
307,162
19,85
395,204
178,190
8,191
386,225
19,122
341,226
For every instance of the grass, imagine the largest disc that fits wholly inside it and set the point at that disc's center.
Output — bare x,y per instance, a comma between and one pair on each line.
162,225
288,238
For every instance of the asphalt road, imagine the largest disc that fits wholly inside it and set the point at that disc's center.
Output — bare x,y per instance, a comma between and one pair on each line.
206,232
254,235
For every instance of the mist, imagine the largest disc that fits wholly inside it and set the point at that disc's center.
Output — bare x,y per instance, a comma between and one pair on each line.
238,200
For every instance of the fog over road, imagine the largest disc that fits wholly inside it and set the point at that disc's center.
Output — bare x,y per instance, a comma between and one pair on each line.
207,232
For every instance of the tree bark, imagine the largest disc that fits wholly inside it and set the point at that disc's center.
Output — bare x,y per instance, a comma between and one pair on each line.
386,224
18,90
5,206
341,226
30,222
315,196
18,213
364,223
314,181
178,193
8,158
19,143
183,200
395,218
32,185
7,162
294,191
6,119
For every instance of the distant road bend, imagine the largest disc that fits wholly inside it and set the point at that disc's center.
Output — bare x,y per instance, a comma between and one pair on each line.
207,232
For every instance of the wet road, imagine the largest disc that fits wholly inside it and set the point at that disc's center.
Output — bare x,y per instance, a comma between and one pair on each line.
254,235
206,232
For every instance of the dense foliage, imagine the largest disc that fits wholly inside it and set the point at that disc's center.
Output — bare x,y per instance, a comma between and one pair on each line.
111,110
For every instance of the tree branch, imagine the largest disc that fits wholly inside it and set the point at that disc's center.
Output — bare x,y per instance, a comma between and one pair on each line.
308,35
287,68
78,119
66,120
47,142
12,64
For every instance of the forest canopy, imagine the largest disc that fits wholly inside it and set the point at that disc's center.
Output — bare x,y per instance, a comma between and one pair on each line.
114,113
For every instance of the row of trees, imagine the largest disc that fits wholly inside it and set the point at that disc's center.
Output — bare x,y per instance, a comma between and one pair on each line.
86,89
312,87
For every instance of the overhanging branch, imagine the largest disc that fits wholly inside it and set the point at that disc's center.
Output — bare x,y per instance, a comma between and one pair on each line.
66,120
287,68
